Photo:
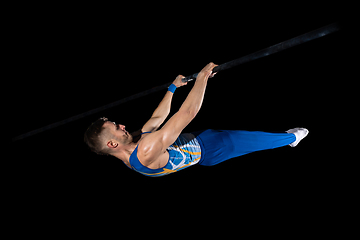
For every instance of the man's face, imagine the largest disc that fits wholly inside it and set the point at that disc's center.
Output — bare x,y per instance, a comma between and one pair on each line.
118,132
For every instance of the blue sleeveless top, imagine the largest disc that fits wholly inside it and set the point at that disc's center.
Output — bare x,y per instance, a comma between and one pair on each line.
183,153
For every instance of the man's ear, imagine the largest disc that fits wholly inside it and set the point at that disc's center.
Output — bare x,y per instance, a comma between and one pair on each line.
112,144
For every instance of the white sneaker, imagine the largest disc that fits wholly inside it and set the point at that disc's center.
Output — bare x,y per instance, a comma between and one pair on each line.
300,133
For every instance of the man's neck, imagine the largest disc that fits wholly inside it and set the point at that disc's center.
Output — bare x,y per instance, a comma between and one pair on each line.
125,153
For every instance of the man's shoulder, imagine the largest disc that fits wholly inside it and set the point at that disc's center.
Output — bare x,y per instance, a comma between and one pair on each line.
149,148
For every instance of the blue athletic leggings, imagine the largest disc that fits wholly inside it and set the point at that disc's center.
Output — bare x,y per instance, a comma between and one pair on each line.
220,145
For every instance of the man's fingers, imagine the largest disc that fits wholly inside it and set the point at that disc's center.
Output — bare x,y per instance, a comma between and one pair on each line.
212,75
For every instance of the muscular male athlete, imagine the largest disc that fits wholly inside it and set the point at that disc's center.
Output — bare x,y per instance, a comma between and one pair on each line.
154,152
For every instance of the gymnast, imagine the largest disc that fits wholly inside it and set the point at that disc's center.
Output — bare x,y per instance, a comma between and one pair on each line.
157,152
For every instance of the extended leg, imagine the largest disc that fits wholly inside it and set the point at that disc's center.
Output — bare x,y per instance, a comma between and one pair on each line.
221,145
246,142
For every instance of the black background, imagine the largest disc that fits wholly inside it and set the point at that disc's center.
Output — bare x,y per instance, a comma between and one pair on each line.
69,63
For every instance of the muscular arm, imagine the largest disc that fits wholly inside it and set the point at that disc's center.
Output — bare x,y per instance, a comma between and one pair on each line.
188,110
157,143
163,110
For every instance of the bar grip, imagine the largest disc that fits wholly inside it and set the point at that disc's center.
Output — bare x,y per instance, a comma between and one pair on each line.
189,78
193,76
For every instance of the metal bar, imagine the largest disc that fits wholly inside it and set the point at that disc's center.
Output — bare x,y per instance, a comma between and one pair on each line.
90,112
262,53
320,32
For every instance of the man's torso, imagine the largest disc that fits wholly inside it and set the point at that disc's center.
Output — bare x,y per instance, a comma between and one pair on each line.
184,152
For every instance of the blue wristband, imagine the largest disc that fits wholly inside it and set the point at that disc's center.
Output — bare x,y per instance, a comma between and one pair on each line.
172,88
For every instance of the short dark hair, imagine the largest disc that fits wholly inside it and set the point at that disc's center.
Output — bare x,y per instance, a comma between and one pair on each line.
92,136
